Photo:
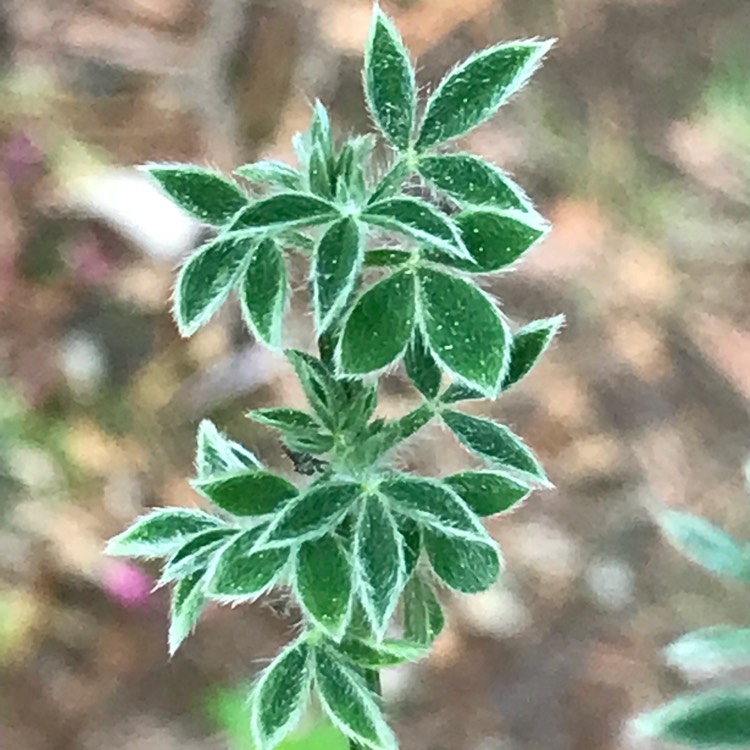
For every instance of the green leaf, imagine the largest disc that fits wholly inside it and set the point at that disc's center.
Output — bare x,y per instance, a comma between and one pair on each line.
204,282
421,367
412,536
423,615
324,583
706,544
474,90
391,86
264,293
527,347
460,392
487,492
379,326
197,554
242,571
273,173
323,392
318,176
391,183
217,454
335,270
301,430
432,504
349,703
321,133
464,330
495,239
313,514
249,493
718,718
389,652
379,563
468,565
498,444
205,194
711,650
281,695
161,533
388,436
188,602
285,210
387,257
472,180
419,219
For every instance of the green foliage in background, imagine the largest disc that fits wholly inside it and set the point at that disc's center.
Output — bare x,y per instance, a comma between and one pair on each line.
719,716
393,277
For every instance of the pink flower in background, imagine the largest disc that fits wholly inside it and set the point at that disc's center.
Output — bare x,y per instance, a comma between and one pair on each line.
128,585
19,156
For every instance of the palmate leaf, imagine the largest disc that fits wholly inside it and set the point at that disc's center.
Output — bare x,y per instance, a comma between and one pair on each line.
718,718
188,602
527,347
207,195
263,293
474,90
418,219
248,493
161,533
472,180
349,703
241,572
335,270
487,492
324,583
463,329
498,444
390,82
421,367
206,279
323,393
387,257
379,563
281,695
379,326
217,454
464,564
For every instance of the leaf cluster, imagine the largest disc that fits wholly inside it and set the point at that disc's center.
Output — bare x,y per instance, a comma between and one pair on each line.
393,278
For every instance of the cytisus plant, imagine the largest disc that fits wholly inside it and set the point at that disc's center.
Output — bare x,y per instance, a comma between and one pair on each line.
358,545
718,716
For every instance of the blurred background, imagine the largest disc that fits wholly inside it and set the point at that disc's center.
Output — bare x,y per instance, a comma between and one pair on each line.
634,139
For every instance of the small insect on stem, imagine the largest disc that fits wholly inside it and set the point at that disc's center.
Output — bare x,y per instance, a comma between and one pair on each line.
305,463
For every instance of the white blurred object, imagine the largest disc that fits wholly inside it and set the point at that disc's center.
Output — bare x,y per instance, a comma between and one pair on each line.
611,583
133,205
82,362
497,612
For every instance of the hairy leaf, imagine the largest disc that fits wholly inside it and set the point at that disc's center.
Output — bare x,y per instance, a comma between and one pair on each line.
487,492
196,555
527,347
313,514
419,219
336,267
473,91
423,615
706,544
460,392
390,82
464,564
421,367
349,703
389,652
319,177
273,173
712,719
217,454
496,443
379,326
391,182
470,179
281,695
379,563
249,493
284,211
464,330
412,536
207,195
161,533
387,257
324,583
242,571
188,602
323,392
264,293
204,282
711,650
301,430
